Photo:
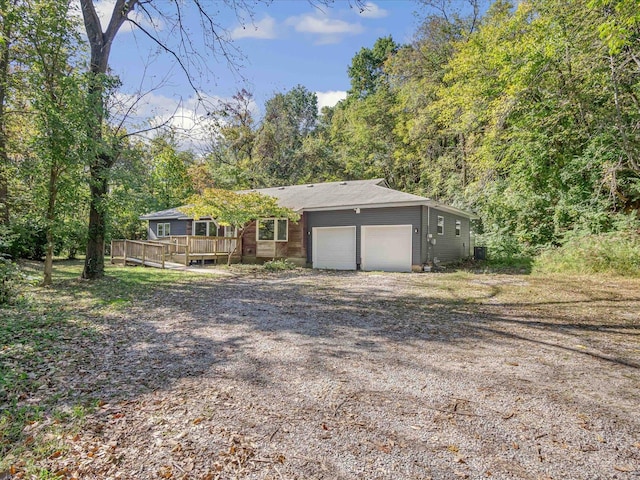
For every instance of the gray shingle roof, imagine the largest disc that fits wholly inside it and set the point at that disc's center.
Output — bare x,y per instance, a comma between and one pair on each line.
331,196
340,195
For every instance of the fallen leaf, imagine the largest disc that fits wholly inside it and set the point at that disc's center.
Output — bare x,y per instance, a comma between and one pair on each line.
55,454
198,420
623,468
453,448
515,446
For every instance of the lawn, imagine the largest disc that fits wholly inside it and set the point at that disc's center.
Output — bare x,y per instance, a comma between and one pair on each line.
304,374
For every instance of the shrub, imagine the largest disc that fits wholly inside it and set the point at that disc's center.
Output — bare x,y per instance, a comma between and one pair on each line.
11,280
279,265
613,253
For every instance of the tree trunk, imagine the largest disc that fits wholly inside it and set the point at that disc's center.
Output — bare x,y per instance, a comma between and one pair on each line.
102,156
94,261
4,78
50,219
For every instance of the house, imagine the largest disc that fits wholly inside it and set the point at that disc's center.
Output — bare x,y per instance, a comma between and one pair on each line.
361,224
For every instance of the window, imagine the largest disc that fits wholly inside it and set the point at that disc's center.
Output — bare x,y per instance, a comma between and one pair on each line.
458,227
205,228
164,229
440,225
273,229
230,231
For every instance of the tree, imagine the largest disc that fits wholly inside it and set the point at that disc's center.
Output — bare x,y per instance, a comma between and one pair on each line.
171,183
289,118
58,108
236,209
366,70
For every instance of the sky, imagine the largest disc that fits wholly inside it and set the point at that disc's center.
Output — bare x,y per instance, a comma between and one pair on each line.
278,46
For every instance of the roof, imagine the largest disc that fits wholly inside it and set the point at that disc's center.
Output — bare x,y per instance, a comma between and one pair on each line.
170,214
374,193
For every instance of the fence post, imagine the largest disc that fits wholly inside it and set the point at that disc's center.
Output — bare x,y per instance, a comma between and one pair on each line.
124,256
144,253
186,254
162,254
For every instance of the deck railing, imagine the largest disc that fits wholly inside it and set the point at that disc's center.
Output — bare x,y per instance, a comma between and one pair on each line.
138,251
178,248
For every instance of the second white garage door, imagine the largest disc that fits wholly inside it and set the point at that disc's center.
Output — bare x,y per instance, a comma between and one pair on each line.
386,247
334,248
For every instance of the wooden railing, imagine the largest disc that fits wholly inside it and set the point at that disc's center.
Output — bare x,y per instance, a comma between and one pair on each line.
137,251
179,248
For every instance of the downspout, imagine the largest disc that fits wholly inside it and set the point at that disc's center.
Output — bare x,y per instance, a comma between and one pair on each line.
428,232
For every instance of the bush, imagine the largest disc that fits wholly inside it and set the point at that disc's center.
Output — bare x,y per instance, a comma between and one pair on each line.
279,265
24,240
612,253
11,280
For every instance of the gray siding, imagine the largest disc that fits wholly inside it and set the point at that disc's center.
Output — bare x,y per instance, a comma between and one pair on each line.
178,227
367,216
448,247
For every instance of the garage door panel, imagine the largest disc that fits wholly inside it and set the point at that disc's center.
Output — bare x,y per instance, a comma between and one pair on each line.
387,247
334,248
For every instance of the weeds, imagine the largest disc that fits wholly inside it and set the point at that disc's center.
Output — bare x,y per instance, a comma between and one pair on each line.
614,253
279,265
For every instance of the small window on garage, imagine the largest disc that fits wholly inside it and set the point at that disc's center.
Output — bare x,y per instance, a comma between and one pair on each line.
458,227
273,229
440,225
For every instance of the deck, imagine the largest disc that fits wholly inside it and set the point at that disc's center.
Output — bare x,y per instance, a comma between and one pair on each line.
177,249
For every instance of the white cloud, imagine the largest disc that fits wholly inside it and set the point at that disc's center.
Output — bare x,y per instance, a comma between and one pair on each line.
330,98
189,119
327,30
323,25
371,10
263,29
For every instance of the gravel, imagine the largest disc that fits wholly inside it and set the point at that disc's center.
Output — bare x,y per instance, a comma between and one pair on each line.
310,375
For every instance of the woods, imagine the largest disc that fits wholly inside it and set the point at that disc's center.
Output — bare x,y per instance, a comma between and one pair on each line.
527,114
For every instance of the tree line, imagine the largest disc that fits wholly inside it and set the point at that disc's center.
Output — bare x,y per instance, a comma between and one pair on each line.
527,114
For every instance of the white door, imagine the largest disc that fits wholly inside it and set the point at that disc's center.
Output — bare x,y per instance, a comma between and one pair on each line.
334,248
386,247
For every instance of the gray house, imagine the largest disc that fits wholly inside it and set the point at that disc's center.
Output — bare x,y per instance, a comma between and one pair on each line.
350,225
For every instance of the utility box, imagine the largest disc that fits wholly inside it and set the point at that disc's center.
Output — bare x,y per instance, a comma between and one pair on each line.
480,253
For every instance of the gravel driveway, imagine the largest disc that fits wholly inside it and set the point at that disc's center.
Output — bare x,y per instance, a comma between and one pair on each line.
309,375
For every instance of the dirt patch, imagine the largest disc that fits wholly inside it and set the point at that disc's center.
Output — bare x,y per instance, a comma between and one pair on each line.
362,375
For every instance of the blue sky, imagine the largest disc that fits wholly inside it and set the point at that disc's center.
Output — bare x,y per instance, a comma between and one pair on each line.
286,43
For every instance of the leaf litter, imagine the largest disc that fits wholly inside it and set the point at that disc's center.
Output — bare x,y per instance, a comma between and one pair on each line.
354,375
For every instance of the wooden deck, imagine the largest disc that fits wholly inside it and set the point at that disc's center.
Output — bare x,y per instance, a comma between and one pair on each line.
182,249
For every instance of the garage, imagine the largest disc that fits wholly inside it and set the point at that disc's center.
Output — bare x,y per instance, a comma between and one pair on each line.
334,248
386,247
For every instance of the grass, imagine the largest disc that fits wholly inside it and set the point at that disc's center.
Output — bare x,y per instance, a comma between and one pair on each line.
612,254
37,332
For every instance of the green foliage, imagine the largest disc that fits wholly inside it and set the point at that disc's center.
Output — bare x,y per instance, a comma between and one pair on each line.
289,118
279,265
616,253
11,280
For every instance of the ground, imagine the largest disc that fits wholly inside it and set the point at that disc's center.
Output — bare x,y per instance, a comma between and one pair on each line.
241,373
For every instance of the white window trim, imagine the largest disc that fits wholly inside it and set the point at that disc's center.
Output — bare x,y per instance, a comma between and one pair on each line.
458,228
230,232
440,218
166,229
208,232
275,229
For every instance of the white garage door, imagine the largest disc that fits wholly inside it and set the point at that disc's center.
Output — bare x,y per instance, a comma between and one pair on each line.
334,248
386,247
